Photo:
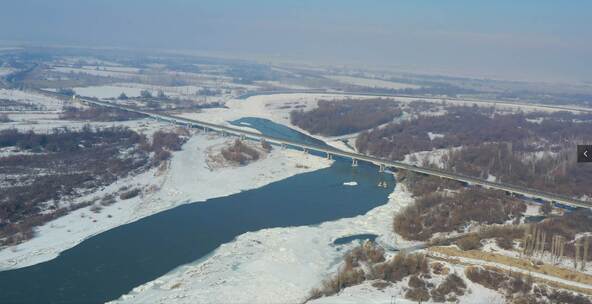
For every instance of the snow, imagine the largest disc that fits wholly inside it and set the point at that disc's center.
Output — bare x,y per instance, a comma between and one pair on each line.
47,103
395,294
188,180
538,155
278,265
535,274
108,91
120,69
275,107
532,210
434,157
366,293
132,90
433,136
373,83
44,123
352,183
5,71
279,84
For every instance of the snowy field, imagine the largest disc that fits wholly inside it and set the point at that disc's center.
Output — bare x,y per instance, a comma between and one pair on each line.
44,102
373,83
110,91
187,180
395,294
132,90
278,265
96,72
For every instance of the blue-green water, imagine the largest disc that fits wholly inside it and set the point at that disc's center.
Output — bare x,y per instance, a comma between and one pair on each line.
351,238
110,264
276,130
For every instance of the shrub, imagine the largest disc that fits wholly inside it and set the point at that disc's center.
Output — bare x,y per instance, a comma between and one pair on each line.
108,200
566,297
439,268
98,114
167,140
129,194
402,265
546,208
145,94
469,242
375,268
266,145
368,252
452,284
487,278
344,278
416,282
505,231
240,153
433,213
78,162
496,279
417,294
505,243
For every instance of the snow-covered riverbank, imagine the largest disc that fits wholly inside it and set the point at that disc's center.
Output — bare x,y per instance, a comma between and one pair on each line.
278,265
277,107
187,180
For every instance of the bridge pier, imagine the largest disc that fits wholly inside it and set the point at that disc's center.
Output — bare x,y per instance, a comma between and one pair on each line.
283,146
224,134
329,156
305,150
354,162
243,137
381,168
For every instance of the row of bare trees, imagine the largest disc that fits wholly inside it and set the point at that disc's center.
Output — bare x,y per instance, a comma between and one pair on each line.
535,245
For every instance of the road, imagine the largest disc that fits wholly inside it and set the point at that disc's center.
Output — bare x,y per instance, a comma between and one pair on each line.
383,163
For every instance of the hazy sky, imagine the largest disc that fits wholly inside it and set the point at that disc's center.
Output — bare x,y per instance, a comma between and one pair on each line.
534,40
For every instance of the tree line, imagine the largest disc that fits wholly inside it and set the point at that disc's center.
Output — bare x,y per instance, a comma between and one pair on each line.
340,117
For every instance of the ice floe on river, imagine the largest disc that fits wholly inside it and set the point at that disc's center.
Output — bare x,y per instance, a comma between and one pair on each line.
277,265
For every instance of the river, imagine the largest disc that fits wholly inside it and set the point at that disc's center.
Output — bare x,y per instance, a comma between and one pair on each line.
110,264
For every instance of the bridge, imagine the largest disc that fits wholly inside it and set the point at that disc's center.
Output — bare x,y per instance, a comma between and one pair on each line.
329,151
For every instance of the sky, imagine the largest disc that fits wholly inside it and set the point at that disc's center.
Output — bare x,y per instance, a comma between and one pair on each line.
534,40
